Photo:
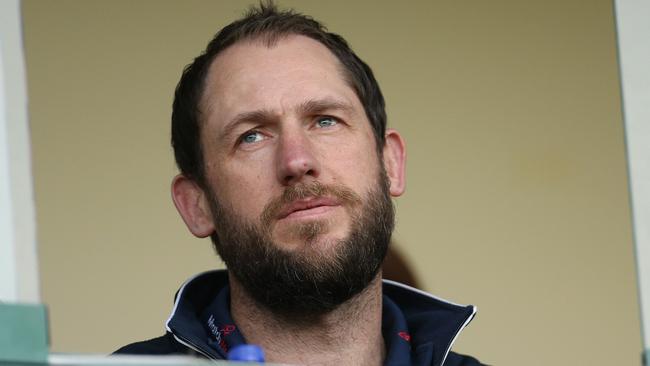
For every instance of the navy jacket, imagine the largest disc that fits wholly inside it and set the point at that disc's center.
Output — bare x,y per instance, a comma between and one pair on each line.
418,328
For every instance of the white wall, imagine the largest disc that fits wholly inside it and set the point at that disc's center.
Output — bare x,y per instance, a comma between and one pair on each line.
18,263
633,25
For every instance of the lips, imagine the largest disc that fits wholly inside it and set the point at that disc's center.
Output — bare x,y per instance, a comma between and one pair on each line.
305,205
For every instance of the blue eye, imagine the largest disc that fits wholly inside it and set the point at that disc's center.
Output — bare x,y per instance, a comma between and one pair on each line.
251,137
326,122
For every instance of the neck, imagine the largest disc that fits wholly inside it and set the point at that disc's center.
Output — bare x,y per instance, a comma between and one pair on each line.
350,334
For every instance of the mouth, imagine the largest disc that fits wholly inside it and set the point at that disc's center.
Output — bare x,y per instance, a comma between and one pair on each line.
308,207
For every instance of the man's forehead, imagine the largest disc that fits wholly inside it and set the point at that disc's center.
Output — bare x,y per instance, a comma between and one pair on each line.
260,71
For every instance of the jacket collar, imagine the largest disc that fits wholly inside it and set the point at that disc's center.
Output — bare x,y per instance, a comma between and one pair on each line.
434,323
428,324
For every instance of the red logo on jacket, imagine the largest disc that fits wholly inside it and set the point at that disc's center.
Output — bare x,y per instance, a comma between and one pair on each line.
405,336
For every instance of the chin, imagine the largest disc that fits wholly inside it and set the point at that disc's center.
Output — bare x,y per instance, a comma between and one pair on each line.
317,235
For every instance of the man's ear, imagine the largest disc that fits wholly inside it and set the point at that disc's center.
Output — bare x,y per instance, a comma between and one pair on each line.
395,161
191,202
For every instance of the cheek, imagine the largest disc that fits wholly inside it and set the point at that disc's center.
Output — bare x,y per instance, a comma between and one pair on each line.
244,188
354,165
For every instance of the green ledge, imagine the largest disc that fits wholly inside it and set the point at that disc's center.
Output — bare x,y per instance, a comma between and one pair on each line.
23,334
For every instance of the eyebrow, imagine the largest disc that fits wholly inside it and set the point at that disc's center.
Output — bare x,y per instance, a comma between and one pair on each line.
266,116
317,106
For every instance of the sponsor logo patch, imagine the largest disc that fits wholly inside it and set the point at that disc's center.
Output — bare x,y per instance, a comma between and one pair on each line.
220,332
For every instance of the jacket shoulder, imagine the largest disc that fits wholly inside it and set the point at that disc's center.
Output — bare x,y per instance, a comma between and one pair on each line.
456,359
163,345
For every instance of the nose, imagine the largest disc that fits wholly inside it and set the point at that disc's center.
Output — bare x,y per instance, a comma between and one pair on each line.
296,159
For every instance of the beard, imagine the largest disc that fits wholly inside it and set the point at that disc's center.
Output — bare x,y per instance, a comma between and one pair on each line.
316,277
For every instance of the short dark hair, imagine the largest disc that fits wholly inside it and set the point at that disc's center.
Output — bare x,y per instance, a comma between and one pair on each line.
269,24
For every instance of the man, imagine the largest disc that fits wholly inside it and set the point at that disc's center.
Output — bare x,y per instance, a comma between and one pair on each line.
279,131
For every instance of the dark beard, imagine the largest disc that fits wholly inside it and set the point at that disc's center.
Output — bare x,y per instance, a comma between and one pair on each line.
307,282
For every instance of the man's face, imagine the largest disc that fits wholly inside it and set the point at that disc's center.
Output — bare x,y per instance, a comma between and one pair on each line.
283,116
297,197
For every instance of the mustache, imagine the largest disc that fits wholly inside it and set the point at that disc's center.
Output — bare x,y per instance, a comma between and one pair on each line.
316,189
